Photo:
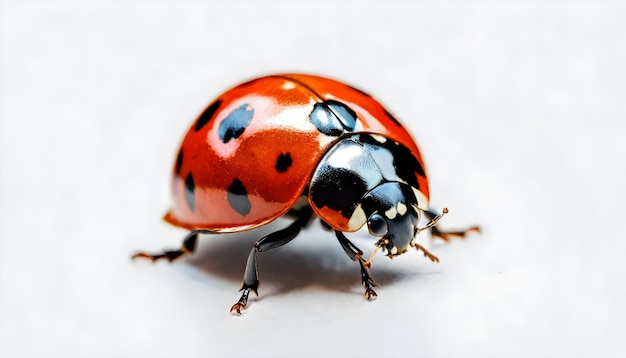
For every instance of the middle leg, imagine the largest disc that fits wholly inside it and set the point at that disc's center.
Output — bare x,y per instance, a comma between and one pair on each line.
269,242
355,254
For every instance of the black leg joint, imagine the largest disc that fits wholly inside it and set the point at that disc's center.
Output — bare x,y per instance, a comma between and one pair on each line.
189,244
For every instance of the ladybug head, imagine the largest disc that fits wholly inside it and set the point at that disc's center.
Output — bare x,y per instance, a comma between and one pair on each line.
392,215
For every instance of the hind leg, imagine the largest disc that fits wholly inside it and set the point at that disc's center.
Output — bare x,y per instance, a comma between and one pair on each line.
189,244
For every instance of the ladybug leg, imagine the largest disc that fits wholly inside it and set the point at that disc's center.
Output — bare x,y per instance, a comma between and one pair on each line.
296,210
326,226
447,235
189,244
366,279
355,254
269,242
427,253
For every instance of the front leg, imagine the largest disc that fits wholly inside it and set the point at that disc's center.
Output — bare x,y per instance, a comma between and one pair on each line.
355,254
366,279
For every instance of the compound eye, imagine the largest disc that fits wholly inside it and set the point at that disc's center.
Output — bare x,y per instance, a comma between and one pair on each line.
377,225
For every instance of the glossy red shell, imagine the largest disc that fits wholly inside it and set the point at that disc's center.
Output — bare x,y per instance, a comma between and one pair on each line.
245,163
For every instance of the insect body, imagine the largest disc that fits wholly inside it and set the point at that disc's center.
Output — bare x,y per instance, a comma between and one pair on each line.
260,147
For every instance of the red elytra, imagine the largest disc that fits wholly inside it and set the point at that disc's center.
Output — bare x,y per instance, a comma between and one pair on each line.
213,161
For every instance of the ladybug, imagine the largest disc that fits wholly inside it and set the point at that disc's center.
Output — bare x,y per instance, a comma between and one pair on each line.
300,146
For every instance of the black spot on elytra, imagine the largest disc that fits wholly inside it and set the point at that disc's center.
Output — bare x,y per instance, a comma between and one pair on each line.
207,115
179,161
233,126
238,197
333,118
190,195
342,192
283,162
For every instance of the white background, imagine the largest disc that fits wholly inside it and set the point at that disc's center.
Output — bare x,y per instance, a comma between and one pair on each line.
519,109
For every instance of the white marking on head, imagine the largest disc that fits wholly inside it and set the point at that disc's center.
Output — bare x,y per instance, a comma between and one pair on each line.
287,85
422,200
394,250
379,138
357,219
391,213
401,209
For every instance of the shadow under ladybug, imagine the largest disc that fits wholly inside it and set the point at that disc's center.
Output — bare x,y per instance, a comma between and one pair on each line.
290,268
